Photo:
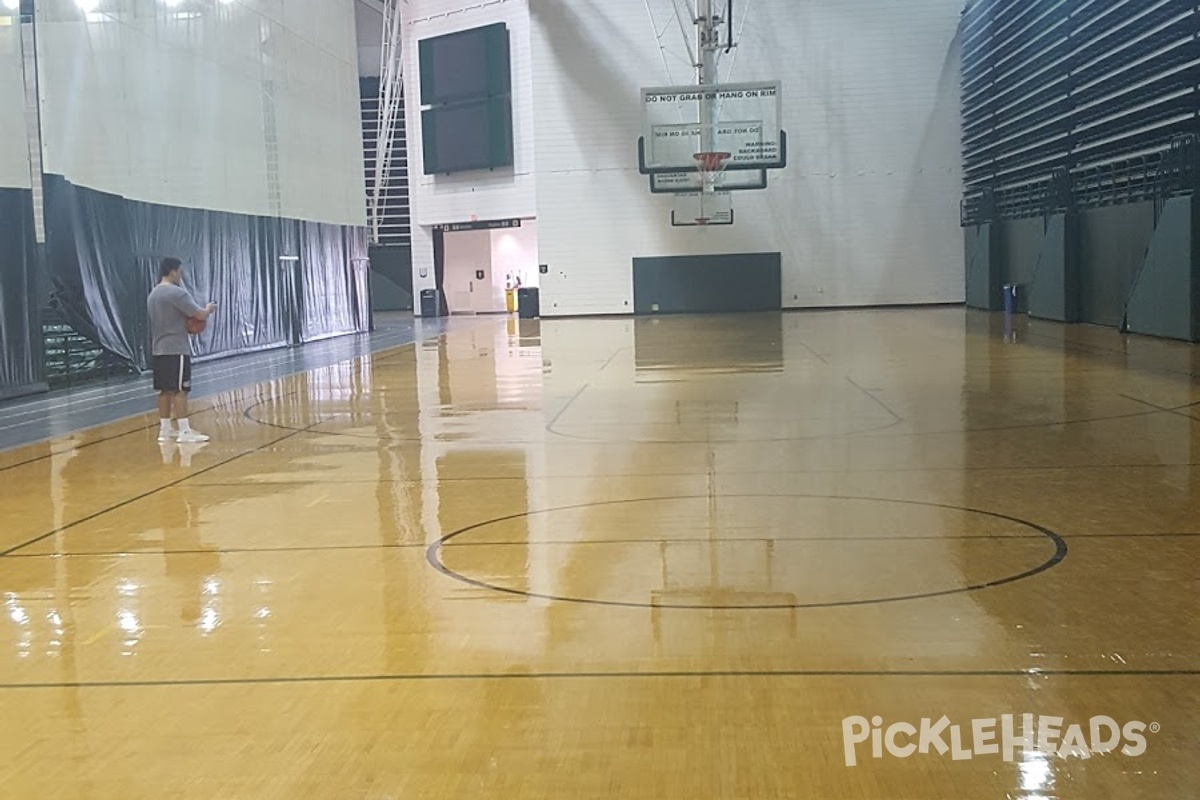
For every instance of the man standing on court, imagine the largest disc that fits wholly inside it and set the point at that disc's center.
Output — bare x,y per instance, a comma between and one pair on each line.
170,308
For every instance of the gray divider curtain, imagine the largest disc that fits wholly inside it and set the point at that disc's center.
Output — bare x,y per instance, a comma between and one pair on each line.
22,368
327,280
103,259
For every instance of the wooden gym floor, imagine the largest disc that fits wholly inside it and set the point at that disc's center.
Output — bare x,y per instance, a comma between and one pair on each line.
661,558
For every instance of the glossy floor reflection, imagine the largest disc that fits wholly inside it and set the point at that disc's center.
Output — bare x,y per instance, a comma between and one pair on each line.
629,559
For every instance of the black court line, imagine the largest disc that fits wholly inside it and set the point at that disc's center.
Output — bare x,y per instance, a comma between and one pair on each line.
613,358
293,432
220,551
876,432
319,548
1111,354
1177,410
385,352
699,475
129,501
322,548
376,358
551,428
615,675
435,550
878,402
815,354
123,434
570,402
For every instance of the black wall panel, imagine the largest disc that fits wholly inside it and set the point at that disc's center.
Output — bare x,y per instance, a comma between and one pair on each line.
22,370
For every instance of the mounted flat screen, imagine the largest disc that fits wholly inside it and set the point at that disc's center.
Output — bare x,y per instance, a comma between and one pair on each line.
468,136
465,65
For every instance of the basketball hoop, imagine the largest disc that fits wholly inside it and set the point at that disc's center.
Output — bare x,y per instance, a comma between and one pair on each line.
711,162
710,166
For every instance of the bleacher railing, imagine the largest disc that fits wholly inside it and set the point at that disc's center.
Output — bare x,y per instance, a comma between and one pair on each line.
1104,94
1145,177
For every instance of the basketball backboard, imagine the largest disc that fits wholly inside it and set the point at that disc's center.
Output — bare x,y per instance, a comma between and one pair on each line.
743,121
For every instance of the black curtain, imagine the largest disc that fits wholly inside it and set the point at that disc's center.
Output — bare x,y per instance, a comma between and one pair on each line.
439,270
104,252
22,368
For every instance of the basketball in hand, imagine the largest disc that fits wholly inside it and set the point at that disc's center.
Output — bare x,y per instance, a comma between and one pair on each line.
196,326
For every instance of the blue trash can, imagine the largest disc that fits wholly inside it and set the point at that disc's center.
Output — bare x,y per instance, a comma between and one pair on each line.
1012,298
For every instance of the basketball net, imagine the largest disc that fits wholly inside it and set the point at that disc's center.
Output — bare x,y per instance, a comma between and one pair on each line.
710,166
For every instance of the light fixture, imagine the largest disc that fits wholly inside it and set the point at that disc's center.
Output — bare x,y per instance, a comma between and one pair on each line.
88,5
12,5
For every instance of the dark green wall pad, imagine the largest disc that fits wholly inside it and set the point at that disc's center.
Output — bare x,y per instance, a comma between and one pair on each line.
391,277
707,284
1018,249
1161,303
984,289
1112,249
1054,291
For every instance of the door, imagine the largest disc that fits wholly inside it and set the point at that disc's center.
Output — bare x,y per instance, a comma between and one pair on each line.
482,291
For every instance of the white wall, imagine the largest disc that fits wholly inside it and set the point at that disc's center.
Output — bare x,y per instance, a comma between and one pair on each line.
171,105
496,194
515,253
865,213
14,154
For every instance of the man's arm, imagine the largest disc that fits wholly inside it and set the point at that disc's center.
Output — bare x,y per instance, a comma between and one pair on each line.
188,306
204,313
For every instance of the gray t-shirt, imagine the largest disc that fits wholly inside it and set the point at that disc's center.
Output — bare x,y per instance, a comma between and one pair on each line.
169,308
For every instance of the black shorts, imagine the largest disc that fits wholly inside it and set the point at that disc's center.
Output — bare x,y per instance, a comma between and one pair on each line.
172,373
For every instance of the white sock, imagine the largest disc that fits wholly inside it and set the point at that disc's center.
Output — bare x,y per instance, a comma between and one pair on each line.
164,425
183,425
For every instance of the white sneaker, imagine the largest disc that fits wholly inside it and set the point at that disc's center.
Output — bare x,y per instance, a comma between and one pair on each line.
191,437
167,435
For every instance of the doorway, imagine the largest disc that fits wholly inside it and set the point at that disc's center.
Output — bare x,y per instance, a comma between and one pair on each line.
483,266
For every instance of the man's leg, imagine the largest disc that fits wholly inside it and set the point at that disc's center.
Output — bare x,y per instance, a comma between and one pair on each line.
165,382
179,407
186,434
165,400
